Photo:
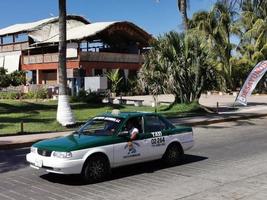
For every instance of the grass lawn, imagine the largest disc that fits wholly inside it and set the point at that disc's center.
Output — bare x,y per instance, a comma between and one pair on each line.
40,116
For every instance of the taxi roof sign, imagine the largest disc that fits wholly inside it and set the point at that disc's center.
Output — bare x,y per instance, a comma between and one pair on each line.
115,112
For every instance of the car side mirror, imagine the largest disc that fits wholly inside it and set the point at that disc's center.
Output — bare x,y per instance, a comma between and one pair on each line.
123,134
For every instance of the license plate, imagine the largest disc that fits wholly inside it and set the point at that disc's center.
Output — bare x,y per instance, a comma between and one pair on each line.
38,163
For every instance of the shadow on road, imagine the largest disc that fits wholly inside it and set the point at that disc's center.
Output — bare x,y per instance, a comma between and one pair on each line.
11,160
121,172
251,104
222,125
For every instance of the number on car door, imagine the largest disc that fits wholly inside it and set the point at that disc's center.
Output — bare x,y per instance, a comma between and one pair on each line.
156,129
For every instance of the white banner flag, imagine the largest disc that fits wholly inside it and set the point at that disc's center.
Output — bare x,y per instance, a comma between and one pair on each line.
251,82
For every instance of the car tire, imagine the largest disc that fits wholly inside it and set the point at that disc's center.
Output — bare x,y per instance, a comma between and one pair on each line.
95,169
173,154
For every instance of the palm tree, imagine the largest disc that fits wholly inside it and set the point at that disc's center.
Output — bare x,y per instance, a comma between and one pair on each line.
176,64
182,7
222,14
253,30
115,79
216,27
64,113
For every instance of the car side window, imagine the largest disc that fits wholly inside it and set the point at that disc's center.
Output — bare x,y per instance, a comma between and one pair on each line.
136,122
154,123
99,127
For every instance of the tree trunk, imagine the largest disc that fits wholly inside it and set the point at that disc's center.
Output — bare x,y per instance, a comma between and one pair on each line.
177,98
62,48
64,113
182,6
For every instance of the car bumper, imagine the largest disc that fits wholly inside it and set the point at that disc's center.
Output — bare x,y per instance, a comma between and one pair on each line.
55,165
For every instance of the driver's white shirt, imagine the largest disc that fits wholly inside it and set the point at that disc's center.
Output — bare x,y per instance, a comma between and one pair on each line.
133,130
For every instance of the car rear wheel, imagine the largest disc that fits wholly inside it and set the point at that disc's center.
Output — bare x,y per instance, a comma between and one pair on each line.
173,154
95,169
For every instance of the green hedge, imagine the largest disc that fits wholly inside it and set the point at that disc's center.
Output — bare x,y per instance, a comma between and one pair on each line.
40,93
87,97
10,95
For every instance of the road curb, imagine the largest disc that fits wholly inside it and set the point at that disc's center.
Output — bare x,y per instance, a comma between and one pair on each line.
17,145
224,118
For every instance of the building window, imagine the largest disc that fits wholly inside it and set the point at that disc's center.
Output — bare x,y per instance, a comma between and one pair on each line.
98,72
23,37
8,39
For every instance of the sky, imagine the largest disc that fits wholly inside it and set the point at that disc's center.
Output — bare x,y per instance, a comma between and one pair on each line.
154,16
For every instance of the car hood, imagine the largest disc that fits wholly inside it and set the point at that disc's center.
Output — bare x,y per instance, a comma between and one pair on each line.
74,142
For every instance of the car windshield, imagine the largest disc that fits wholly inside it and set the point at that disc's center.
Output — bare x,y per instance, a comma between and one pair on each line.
102,126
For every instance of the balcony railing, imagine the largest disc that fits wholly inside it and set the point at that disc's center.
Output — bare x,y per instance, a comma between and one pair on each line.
111,57
87,57
13,47
40,58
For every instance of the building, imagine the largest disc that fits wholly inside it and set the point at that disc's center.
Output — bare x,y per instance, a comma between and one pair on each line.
92,49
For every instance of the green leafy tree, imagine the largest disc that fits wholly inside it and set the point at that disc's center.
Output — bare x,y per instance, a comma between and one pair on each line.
216,27
252,30
4,78
18,78
176,64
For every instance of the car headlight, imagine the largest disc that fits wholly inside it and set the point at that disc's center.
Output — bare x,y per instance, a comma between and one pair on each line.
57,154
33,150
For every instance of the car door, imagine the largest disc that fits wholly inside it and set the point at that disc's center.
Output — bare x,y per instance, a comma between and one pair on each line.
128,152
157,134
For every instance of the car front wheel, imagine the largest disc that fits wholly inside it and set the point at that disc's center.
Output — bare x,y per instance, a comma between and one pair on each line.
95,169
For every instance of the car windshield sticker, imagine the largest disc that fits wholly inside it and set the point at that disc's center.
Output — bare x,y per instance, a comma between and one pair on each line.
132,149
108,119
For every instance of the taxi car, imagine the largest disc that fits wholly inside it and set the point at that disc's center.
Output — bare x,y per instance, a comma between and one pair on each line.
104,143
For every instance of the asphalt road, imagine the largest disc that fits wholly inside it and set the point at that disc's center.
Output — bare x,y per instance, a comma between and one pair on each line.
229,161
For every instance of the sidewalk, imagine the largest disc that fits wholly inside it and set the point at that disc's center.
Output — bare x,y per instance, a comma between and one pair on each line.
19,141
254,110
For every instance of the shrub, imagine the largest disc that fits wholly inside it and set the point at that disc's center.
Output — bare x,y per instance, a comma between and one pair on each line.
82,94
40,93
9,95
87,97
94,97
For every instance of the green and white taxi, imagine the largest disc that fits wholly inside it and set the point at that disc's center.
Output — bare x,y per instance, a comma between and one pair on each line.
105,142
